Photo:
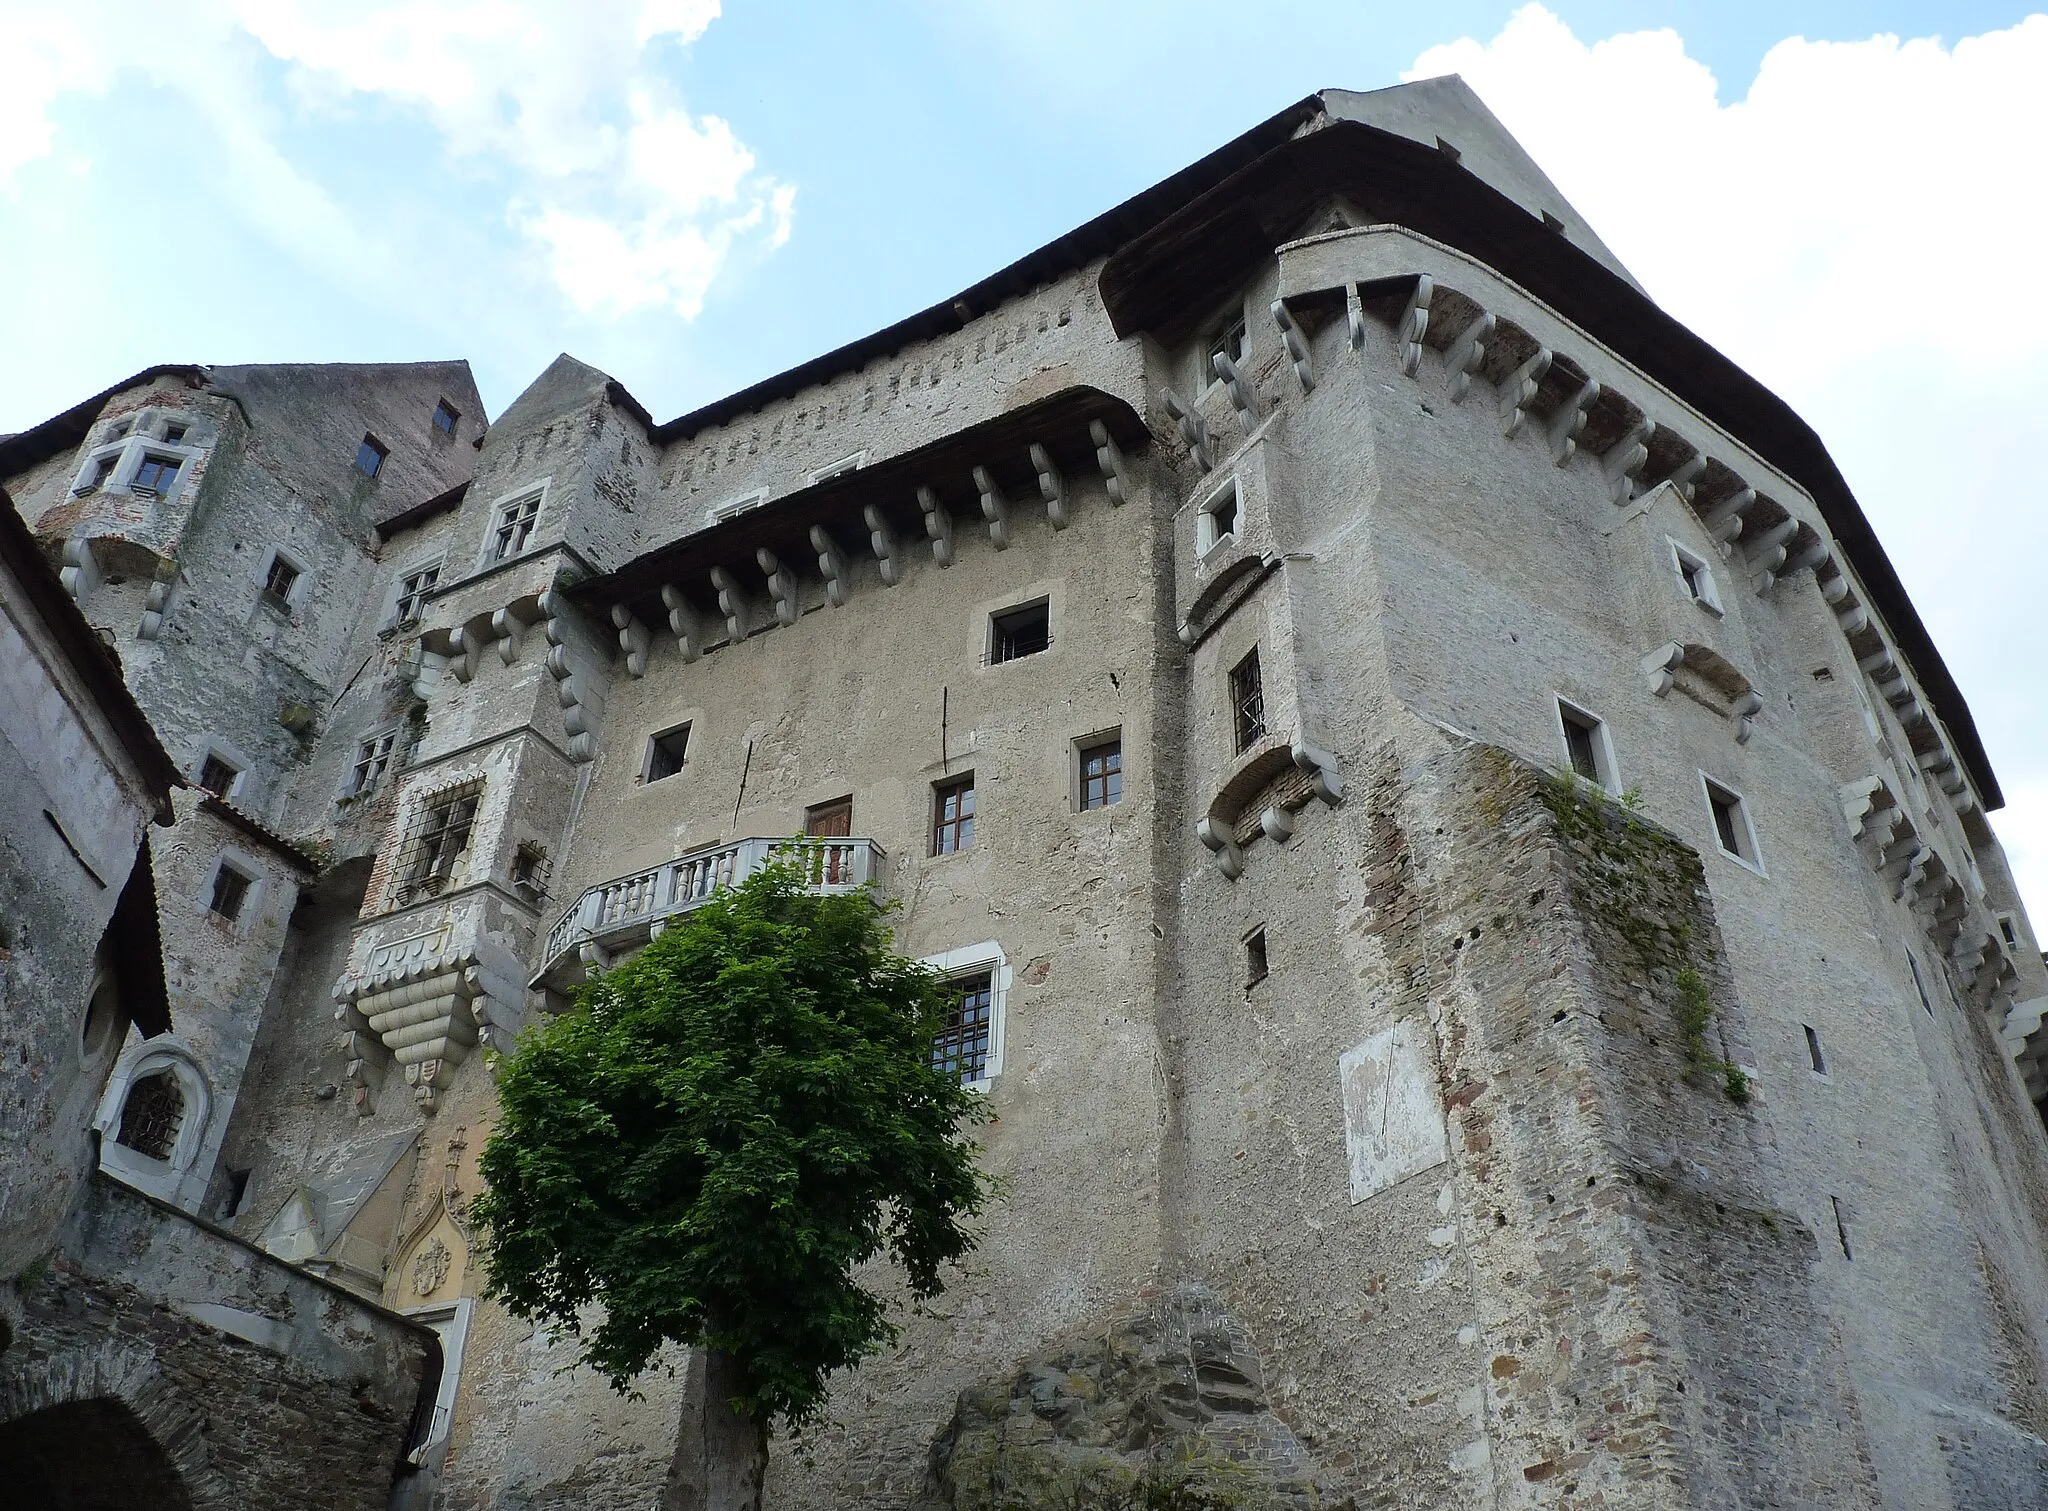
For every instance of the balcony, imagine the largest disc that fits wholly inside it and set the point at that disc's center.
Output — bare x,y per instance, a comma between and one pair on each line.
616,916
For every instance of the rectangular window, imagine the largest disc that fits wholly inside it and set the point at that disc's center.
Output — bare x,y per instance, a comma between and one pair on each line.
515,525
174,434
373,759
438,843
230,891
833,820
953,815
102,470
1019,632
1255,969
1696,577
1247,701
529,861
1102,774
1731,824
741,504
1226,341
279,581
2009,930
1217,520
370,454
1585,745
665,752
1813,1055
156,474
961,1046
412,593
445,416
217,775
841,467
1919,982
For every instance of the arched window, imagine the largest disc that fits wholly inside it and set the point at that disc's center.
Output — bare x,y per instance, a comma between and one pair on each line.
152,1114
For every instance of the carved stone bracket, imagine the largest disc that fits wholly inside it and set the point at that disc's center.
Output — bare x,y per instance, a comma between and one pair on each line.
1193,429
781,586
633,640
682,623
1110,458
832,567
1466,353
995,508
938,526
883,541
1052,487
1412,325
732,602
1297,347
1518,388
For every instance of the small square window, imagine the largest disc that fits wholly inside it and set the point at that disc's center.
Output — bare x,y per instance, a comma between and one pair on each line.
529,864
445,416
279,581
230,891
217,776
156,474
1814,1057
370,454
1247,702
1226,341
1255,968
1102,774
953,815
1585,745
1216,521
174,434
833,820
515,526
665,752
1732,828
1019,632
1695,577
961,1046
413,589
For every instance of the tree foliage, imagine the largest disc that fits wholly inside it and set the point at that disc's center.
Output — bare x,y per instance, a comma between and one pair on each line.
720,1132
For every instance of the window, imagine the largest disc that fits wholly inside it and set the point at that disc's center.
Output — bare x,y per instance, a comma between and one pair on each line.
1813,1055
1227,341
1216,522
961,1046
1919,982
279,581
217,775
370,454
1019,632
174,434
953,815
741,504
156,474
1255,968
412,593
1731,824
841,467
665,753
231,1198
1102,774
439,842
2009,930
230,892
833,820
1696,577
515,525
373,759
445,416
1586,748
1247,702
102,470
529,865
152,1114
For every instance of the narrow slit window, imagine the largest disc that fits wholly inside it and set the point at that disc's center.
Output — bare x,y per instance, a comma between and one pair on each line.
953,815
1247,702
1019,632
2009,930
666,752
230,893
1920,983
961,1046
1102,775
1255,966
1814,1056
217,775
1731,824
445,416
370,454
515,526
1585,745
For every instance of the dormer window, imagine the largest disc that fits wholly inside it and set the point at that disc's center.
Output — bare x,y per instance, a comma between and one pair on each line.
445,417
370,454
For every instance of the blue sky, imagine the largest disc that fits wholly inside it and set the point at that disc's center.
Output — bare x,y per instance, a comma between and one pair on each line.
693,200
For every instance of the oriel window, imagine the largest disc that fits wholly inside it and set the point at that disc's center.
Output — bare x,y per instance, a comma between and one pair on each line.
156,474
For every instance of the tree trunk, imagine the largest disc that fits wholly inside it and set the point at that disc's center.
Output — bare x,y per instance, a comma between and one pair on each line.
721,1456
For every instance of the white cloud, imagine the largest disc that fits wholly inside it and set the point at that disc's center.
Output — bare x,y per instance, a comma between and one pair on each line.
1863,231
629,199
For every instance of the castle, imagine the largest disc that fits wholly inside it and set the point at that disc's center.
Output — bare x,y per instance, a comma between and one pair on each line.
1466,880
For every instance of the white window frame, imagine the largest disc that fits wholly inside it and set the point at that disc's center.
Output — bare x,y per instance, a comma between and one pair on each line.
127,449
449,1319
973,960
501,508
1207,536
435,563
145,1057
753,499
1608,773
1709,596
850,463
1754,861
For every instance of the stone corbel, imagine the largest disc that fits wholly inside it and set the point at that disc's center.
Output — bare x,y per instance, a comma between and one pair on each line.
1413,325
732,603
1277,824
1052,486
886,548
938,526
1723,522
157,599
1625,459
575,692
781,586
508,630
1815,556
1296,345
1322,771
832,567
467,648
427,668
1767,553
995,508
1519,388
80,572
1661,667
633,640
1110,458
1193,428
1354,316
1217,839
596,959
1862,801
1570,420
1685,476
1467,351
1242,399
682,623
1744,713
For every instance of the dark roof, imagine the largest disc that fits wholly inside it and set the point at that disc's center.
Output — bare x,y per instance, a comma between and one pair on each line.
96,666
421,512
62,432
259,831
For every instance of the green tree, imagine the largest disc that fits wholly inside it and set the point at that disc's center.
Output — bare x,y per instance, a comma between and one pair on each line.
718,1134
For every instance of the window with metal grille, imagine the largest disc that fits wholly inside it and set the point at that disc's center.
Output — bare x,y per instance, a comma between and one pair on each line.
445,416
953,815
279,581
370,454
1102,774
529,867
230,891
217,776
1019,632
412,592
1248,701
156,474
152,1114
515,525
440,836
961,1046
373,759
